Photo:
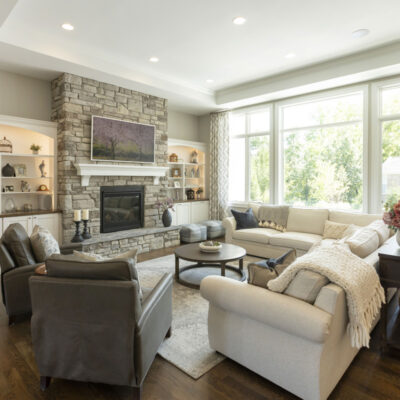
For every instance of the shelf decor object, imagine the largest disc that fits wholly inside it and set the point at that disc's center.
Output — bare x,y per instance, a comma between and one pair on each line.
173,158
8,170
5,145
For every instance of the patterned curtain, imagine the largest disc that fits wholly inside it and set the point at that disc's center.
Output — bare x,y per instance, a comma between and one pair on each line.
219,164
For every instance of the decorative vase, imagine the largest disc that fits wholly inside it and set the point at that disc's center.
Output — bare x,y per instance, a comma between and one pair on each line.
8,170
398,237
166,218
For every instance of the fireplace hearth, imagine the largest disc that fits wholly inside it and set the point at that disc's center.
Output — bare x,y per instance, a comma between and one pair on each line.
121,208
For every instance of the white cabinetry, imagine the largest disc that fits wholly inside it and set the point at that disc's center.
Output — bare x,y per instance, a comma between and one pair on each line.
48,221
190,212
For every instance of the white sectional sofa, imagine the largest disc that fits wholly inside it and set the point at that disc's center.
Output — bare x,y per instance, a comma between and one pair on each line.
304,228
302,347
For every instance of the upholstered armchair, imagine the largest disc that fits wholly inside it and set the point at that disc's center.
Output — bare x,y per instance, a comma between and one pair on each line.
17,262
91,322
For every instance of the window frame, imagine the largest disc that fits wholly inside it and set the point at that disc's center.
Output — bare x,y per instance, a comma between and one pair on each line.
314,97
247,111
377,120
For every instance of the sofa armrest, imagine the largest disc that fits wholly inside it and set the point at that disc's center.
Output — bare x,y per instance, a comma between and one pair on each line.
275,309
229,223
16,289
152,326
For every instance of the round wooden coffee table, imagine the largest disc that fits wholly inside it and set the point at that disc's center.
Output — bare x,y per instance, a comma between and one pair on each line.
208,264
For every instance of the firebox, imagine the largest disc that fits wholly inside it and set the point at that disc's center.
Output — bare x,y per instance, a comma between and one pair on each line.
121,208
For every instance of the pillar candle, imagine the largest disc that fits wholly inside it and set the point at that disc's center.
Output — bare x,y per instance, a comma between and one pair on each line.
77,215
85,215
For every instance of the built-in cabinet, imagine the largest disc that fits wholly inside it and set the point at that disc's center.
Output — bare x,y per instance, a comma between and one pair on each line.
190,212
48,221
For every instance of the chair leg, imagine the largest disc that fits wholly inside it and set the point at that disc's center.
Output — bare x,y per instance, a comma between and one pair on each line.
11,320
137,392
169,333
44,382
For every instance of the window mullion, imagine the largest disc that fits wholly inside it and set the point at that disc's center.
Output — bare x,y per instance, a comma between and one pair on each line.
247,159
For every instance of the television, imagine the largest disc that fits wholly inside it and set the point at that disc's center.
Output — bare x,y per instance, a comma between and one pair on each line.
122,141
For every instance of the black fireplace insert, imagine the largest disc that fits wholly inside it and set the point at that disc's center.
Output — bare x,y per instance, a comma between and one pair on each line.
121,208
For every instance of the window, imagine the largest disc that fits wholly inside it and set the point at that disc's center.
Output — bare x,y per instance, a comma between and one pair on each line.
389,126
322,151
249,155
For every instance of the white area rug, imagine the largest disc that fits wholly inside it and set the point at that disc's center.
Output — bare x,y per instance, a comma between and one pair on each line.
188,347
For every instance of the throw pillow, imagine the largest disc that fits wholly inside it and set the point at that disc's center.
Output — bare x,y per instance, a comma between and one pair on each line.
245,220
261,272
92,257
43,244
363,242
334,230
306,285
381,229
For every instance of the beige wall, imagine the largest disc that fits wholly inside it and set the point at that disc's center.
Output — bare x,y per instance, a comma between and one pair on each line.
204,128
183,126
22,96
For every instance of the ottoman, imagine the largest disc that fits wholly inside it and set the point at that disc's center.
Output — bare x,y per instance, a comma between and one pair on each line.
214,229
191,233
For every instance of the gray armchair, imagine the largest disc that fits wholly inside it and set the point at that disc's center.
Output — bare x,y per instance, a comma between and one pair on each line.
18,264
90,324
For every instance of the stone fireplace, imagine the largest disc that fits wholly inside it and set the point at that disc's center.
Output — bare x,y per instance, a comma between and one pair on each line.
121,208
74,100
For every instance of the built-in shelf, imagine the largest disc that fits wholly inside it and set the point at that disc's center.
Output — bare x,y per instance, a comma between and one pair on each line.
40,193
26,177
26,155
183,163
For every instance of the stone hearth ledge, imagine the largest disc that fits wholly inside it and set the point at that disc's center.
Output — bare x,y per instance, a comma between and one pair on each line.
88,170
144,239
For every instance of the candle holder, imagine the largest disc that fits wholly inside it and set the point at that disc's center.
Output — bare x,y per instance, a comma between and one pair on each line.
78,237
86,234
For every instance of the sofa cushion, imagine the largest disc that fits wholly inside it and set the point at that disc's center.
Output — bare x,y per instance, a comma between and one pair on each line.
43,243
245,220
307,220
345,217
258,235
18,245
381,229
306,285
364,242
334,230
295,240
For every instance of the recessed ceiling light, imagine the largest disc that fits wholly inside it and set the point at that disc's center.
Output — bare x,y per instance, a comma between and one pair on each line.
67,27
290,55
239,20
209,80
154,59
359,33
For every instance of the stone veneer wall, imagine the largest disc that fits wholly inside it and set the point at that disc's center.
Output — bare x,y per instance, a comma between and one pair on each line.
74,100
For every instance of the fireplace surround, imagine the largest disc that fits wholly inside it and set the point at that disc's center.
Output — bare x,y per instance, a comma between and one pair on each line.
121,208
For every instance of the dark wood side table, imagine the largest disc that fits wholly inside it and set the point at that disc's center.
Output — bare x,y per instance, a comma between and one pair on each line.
389,273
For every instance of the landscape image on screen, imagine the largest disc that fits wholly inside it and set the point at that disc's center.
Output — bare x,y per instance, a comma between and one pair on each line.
114,140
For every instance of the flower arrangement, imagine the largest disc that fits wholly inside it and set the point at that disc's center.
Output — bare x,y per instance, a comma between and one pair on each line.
391,216
166,204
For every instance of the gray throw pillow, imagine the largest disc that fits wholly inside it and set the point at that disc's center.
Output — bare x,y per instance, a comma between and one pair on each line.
306,285
43,243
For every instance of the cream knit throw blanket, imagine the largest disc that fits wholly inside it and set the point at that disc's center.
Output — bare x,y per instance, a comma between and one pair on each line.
358,279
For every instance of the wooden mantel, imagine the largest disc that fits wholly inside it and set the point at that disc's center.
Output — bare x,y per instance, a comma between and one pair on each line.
88,170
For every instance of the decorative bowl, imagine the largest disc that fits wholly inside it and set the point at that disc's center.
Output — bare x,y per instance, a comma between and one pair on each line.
210,248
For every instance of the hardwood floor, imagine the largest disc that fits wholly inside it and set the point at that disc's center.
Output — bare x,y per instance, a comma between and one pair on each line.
370,377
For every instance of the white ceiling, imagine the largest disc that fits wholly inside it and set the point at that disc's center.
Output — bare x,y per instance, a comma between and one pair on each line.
194,40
